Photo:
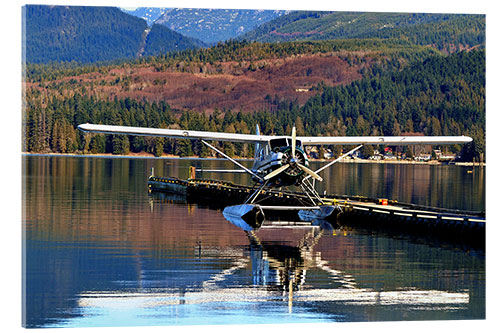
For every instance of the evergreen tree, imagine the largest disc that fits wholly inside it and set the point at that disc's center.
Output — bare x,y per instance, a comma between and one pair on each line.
120,145
183,148
97,144
158,147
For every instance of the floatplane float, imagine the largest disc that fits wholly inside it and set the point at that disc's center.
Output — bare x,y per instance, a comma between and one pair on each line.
279,161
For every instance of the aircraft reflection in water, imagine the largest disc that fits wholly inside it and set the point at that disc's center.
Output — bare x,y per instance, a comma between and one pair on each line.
283,268
279,265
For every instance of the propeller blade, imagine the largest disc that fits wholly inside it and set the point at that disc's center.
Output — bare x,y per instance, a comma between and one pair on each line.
310,172
277,171
294,141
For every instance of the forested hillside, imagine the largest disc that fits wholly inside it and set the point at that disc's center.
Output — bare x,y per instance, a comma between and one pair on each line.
93,34
162,40
447,32
438,95
230,76
82,34
239,53
329,73
97,34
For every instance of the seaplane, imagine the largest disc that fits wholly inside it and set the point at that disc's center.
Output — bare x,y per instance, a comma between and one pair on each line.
279,161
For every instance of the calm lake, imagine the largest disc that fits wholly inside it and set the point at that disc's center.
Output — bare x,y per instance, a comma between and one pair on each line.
100,251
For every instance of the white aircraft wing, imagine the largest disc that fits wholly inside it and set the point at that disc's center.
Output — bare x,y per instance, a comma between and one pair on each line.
383,140
252,138
173,133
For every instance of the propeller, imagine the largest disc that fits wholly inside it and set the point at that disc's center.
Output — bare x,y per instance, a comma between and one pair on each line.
293,162
310,172
277,171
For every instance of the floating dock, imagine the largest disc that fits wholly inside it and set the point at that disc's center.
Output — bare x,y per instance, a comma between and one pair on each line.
384,215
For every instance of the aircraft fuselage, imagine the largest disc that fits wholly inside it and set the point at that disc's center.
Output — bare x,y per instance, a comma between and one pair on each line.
276,153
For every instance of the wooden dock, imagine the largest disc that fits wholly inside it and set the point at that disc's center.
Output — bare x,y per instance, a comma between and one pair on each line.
466,227
223,193
357,212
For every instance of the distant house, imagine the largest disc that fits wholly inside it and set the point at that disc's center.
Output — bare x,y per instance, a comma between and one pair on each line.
312,152
423,157
376,157
442,157
447,158
328,154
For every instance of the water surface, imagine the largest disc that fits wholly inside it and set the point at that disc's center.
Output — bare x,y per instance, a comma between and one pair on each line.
99,251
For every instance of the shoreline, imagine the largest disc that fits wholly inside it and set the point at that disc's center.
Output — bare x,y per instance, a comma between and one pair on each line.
171,157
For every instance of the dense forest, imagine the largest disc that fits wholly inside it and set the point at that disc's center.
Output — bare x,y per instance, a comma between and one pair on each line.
161,40
93,34
463,31
329,73
237,51
84,34
443,31
438,95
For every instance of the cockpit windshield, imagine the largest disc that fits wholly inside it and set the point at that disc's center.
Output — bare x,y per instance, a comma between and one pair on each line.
278,143
282,142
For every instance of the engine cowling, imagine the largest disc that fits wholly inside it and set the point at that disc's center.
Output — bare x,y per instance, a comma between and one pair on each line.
300,157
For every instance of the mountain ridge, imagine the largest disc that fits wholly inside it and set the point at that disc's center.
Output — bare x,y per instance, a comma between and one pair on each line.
93,34
215,25
149,14
99,34
441,30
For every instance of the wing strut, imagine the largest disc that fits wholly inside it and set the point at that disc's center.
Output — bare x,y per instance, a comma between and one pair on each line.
234,161
336,160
